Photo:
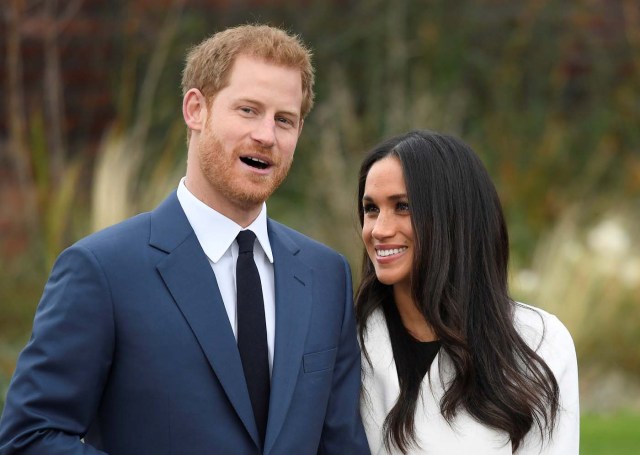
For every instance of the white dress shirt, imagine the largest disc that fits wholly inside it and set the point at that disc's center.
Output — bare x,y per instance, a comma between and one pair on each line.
217,236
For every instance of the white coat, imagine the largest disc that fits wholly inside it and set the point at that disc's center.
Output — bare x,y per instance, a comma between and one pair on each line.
542,331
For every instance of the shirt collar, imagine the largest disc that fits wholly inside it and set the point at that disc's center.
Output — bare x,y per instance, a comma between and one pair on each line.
216,232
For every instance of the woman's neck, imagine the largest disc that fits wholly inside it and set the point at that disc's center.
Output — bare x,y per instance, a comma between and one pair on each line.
412,318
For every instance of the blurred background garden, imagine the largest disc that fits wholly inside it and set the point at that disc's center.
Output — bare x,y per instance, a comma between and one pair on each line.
546,91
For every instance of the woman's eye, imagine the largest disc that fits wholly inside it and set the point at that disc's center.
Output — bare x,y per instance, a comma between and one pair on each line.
403,206
369,208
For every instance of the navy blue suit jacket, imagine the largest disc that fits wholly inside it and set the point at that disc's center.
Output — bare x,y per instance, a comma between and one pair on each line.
132,350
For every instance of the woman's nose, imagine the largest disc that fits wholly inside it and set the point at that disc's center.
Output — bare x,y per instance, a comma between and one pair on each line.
383,226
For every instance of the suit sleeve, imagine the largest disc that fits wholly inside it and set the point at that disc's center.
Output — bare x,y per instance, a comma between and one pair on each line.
343,431
558,350
61,373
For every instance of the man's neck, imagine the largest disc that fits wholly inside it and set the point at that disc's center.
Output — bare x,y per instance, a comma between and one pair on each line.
241,215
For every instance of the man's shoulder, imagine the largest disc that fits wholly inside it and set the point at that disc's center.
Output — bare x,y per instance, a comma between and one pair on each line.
136,229
119,230
118,238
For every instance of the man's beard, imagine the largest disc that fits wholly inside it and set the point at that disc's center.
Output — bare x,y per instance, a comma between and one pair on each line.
218,166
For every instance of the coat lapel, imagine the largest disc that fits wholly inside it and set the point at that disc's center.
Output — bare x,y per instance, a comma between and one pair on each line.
188,276
293,286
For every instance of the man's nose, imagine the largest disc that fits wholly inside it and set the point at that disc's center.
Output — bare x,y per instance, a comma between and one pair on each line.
265,132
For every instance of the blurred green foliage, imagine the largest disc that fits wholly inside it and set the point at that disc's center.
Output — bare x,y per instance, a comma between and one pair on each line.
610,434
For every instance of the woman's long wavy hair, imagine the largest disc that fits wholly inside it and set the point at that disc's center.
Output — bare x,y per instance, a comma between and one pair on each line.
459,283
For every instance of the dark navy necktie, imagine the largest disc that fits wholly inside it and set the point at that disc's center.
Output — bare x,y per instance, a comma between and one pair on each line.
252,330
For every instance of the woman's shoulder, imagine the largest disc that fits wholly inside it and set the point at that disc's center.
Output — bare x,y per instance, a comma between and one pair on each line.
377,343
541,329
551,340
376,332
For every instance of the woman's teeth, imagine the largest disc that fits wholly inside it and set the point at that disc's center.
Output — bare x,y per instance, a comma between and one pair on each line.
384,253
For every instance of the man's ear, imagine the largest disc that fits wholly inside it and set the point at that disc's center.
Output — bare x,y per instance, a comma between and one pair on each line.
194,109
300,127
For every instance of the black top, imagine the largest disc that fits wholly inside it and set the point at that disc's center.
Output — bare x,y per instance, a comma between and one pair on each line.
425,352
409,354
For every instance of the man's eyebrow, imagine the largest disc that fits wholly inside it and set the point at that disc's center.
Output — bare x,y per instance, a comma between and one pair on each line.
291,113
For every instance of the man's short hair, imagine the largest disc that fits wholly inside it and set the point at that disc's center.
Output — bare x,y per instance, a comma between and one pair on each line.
208,64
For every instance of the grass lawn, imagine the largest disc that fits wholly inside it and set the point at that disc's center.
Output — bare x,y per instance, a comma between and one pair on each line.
617,434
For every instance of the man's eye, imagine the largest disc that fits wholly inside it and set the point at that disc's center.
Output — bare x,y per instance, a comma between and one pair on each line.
285,121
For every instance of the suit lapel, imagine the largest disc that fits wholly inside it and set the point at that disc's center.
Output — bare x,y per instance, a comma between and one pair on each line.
293,285
188,276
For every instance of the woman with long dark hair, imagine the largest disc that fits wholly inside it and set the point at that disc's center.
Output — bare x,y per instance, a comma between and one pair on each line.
451,364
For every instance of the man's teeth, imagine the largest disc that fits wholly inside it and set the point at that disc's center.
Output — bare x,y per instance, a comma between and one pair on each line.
254,162
385,253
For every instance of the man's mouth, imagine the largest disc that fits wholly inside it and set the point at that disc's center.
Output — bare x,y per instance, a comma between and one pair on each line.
254,162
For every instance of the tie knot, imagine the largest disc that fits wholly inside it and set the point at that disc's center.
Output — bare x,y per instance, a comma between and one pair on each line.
246,239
